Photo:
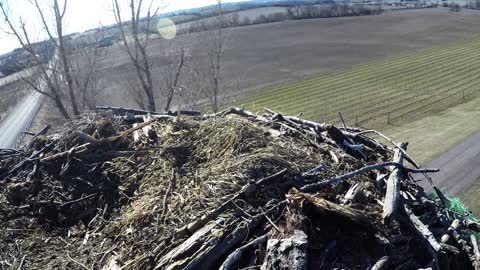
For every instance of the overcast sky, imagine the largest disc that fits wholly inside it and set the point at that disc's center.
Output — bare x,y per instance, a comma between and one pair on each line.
82,15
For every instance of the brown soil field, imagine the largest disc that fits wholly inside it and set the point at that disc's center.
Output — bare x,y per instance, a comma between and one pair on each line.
259,55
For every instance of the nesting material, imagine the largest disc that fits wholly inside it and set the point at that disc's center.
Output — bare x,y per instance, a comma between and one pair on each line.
231,190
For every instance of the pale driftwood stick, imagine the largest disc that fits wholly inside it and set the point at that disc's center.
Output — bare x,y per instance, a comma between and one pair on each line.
235,256
455,225
316,186
381,264
352,193
422,230
476,251
392,195
193,243
312,124
139,118
241,112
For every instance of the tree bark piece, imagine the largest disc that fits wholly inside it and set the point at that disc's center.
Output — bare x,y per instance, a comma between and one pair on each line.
392,197
287,253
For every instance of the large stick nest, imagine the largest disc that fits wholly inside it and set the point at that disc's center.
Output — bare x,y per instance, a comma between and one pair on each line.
185,192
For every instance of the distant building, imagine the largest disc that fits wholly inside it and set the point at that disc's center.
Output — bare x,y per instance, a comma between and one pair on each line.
106,41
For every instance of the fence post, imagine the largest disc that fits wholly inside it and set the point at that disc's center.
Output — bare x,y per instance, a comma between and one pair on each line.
388,118
356,120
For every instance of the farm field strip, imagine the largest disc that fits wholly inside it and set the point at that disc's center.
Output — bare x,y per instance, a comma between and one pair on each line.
345,83
383,67
379,93
367,93
419,83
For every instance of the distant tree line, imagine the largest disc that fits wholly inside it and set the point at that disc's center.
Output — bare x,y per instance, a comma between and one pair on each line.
19,58
293,13
331,10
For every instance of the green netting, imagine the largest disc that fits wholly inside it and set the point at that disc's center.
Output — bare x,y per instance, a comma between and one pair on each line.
456,205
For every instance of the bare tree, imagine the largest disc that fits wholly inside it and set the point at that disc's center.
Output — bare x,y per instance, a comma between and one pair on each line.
88,76
135,43
172,72
210,85
56,80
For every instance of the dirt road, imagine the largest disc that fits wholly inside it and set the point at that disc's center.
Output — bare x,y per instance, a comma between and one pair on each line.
18,120
459,167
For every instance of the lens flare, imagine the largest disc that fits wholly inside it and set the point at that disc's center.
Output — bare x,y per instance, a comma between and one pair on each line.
166,28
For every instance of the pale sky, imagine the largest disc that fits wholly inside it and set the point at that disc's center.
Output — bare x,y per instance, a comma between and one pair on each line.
81,15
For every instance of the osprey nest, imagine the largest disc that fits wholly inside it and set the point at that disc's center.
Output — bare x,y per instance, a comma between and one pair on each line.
126,189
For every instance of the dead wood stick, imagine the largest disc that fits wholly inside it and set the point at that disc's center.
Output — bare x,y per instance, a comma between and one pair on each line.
235,256
81,149
79,200
476,251
121,110
247,189
341,120
316,186
43,131
241,112
421,229
392,195
21,262
425,234
170,188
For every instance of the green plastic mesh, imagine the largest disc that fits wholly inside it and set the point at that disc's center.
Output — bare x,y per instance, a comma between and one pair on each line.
456,205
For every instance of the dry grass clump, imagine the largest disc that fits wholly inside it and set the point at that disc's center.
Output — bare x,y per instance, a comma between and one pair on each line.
202,164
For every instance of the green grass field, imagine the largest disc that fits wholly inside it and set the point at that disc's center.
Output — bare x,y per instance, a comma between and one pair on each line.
401,89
